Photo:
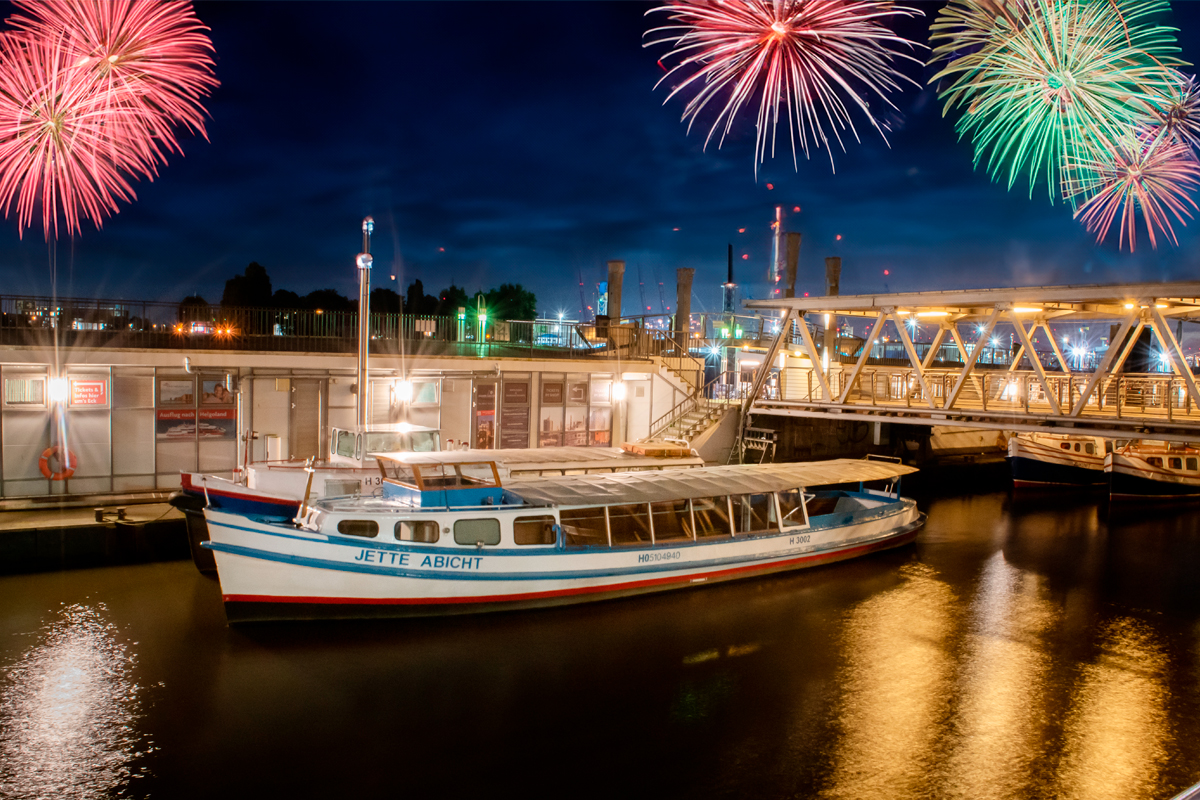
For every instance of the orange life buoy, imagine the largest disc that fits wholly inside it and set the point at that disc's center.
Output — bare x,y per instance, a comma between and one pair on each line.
66,462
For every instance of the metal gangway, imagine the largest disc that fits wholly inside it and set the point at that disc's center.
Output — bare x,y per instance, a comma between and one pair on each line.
949,383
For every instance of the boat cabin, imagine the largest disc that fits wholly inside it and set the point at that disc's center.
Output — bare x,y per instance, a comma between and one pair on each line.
442,483
357,446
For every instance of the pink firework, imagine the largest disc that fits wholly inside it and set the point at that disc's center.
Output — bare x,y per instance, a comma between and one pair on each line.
1157,178
145,53
91,93
56,146
815,58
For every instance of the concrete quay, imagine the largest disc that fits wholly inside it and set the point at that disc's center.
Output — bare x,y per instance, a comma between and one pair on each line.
39,540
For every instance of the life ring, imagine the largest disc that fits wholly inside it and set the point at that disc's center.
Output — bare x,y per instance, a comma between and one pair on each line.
67,464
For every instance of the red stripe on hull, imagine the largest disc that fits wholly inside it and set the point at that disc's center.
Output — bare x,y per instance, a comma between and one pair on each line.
812,560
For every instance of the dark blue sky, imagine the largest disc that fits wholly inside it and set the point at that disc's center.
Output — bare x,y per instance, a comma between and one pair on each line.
527,141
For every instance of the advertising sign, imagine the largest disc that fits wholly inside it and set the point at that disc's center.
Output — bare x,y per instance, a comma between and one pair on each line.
175,424
217,423
89,392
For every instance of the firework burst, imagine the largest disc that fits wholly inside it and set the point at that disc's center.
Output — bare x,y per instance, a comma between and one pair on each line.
815,58
1156,176
1177,115
1049,82
91,93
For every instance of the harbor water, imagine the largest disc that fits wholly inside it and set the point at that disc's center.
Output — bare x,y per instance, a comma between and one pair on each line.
1024,647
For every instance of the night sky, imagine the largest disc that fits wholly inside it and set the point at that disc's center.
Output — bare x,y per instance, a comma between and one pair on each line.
524,142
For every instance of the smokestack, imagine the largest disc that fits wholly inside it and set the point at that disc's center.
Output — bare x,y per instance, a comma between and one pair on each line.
727,294
683,307
730,264
775,271
793,259
833,275
616,274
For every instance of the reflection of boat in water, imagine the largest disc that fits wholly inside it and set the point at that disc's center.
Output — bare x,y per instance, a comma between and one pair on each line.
1056,459
450,538
1153,470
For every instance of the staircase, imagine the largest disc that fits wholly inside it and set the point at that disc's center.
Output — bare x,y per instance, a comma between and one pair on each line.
690,423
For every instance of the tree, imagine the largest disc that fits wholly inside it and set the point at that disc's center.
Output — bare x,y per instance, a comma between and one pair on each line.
384,301
284,298
193,308
249,290
511,301
450,299
328,300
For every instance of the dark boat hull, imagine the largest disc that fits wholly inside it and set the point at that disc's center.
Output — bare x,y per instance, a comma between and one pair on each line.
1033,472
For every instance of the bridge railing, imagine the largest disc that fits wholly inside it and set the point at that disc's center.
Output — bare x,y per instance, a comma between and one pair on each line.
1135,395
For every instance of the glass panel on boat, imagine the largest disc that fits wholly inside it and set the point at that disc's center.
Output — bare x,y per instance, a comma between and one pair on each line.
1175,462
753,513
672,521
712,516
584,526
477,531
534,530
1154,461
345,444
359,527
791,507
1089,448
1191,464
1065,445
342,488
426,531
629,524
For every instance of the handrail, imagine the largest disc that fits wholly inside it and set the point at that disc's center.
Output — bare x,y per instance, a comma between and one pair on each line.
692,401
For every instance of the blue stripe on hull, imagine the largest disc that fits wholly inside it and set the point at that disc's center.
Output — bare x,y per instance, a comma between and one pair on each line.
1134,486
249,507
1029,470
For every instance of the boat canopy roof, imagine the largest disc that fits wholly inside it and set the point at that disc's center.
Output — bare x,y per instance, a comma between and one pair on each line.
544,458
620,488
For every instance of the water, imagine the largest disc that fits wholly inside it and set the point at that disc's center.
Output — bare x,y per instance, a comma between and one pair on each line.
1039,648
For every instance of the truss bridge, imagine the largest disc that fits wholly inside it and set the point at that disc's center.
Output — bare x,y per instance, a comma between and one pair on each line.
1106,360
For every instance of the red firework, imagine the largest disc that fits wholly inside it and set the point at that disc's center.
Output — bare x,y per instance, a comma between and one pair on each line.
816,58
91,94
1157,178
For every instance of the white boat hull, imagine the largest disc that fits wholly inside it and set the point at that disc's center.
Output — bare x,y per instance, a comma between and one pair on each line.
275,571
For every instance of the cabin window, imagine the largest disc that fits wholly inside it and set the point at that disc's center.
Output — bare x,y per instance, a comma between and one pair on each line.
791,507
345,444
629,524
752,513
477,531
712,516
359,527
534,530
1191,464
584,526
1089,448
1175,463
426,531
1065,445
1154,461
1077,447
672,521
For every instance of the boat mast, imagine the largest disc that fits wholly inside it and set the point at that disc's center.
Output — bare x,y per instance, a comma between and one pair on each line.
364,290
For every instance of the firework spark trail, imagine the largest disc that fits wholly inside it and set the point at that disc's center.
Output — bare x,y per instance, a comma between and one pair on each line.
1177,115
1154,176
91,93
1056,81
802,54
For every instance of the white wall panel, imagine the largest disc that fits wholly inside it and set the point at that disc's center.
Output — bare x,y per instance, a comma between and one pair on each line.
133,441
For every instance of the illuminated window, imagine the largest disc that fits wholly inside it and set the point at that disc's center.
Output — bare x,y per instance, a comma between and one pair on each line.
672,521
424,531
630,524
712,516
534,530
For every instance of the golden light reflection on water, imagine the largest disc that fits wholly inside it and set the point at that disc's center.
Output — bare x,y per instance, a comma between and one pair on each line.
1116,736
68,710
896,683
1001,719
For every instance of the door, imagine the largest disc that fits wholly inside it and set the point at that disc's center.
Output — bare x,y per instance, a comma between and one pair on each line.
305,419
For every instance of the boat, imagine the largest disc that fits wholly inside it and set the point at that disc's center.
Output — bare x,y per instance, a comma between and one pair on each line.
274,488
1056,459
455,538
1153,470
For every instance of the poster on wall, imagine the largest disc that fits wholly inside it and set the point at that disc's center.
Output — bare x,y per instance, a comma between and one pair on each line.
89,392
552,394
176,393
215,393
484,433
217,423
514,415
175,424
